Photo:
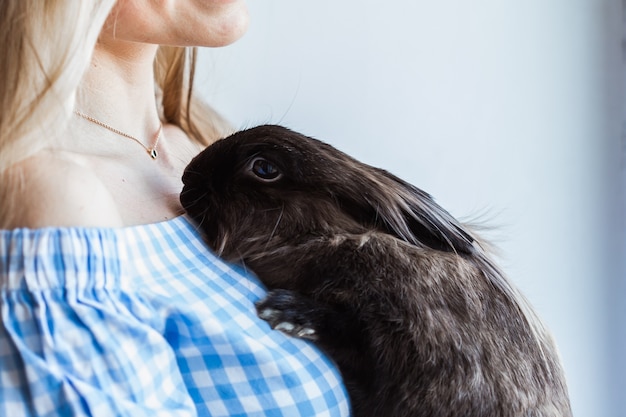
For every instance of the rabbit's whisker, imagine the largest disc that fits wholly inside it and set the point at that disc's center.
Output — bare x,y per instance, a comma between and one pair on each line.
280,217
198,223
203,218
198,199
222,246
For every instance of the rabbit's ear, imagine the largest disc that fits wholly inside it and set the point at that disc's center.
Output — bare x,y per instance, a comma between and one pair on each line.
407,212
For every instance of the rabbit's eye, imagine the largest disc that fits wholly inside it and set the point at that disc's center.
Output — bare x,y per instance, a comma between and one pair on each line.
264,169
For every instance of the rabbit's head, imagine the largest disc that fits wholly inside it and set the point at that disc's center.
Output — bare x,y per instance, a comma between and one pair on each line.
268,185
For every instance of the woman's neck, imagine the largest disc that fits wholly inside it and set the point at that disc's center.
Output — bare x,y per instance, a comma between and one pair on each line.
118,87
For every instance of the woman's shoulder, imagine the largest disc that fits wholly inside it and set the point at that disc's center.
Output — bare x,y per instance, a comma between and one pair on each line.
53,190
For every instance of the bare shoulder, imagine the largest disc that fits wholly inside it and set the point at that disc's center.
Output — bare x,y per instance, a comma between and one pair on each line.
51,190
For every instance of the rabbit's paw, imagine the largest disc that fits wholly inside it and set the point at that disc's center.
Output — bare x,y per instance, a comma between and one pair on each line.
290,312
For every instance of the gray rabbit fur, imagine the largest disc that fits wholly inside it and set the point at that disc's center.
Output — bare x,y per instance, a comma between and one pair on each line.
402,296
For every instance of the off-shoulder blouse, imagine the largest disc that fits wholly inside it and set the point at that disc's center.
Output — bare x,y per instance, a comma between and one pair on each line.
145,321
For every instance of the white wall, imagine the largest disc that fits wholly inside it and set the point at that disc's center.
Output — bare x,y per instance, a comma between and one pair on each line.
505,110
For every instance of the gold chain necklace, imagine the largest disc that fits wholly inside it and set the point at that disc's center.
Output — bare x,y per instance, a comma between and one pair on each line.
151,151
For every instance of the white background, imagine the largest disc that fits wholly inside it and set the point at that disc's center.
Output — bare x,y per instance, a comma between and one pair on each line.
505,111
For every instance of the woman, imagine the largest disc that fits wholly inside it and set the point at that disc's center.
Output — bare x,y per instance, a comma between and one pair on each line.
110,302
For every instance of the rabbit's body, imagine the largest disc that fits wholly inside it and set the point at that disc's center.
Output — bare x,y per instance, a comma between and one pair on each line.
418,319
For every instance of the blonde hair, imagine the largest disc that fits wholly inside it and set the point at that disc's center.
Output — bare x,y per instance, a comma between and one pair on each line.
41,68
174,69
46,48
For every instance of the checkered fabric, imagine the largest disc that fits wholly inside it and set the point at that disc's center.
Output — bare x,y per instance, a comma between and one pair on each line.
145,321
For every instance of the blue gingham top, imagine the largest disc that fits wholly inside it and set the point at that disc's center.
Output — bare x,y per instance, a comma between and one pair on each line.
145,321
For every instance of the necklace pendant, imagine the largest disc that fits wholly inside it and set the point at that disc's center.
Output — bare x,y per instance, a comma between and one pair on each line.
151,151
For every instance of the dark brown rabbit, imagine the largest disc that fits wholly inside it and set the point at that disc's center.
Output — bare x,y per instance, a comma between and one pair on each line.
400,294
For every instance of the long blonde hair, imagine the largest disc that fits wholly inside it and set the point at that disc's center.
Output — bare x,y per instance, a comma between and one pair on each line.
174,69
46,47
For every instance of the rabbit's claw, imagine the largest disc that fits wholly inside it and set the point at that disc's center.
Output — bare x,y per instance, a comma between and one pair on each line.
289,312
